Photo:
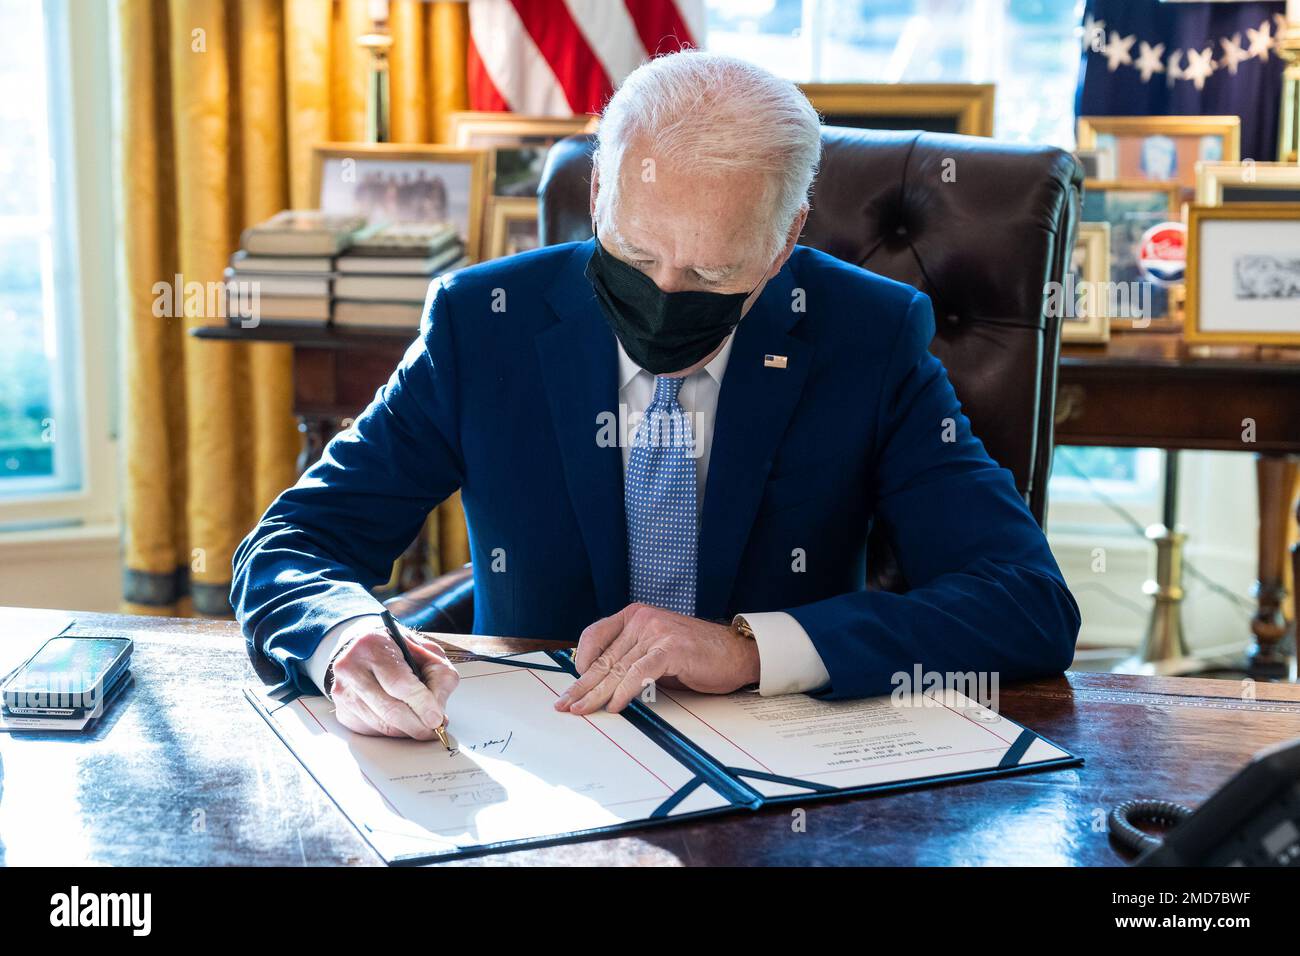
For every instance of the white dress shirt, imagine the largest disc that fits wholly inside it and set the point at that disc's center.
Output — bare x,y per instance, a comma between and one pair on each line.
788,661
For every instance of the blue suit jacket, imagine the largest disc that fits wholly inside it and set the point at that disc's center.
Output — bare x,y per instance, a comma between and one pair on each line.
502,396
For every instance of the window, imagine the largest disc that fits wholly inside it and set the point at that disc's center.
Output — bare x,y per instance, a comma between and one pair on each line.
1028,48
1116,472
33,392
1105,489
56,254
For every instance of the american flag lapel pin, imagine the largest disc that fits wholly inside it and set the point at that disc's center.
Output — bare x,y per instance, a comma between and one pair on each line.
775,361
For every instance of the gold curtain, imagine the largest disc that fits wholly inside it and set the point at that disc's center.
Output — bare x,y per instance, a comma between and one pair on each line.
222,103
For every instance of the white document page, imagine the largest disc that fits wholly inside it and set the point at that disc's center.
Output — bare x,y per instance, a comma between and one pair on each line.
522,770
846,744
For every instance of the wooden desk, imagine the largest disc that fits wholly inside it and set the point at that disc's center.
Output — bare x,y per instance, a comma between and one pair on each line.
183,771
1148,390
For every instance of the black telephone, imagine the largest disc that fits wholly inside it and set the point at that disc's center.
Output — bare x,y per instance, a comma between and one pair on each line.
1252,820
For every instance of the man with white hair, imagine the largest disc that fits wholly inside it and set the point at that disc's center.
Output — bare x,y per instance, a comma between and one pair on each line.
672,440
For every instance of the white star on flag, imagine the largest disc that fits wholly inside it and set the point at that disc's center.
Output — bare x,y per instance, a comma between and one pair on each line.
1261,40
1117,50
1094,34
1232,53
1150,60
1200,64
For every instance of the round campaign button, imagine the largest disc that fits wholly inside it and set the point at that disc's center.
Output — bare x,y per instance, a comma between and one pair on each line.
1162,253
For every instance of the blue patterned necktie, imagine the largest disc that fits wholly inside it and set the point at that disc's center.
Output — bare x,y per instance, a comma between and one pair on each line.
659,498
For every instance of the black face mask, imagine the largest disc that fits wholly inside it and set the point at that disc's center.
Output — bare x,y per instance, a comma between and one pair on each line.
660,331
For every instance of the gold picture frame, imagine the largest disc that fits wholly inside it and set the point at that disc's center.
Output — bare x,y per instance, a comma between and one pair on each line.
1213,178
502,213
464,126
1093,326
1122,128
966,107
1195,330
513,133
426,156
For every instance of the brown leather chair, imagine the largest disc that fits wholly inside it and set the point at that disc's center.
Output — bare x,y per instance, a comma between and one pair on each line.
979,226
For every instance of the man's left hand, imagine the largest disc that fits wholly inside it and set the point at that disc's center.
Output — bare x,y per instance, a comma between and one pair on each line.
620,654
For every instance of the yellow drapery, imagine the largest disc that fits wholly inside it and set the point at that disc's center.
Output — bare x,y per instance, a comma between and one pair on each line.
222,103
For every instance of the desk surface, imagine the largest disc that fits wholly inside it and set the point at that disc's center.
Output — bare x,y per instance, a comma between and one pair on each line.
183,771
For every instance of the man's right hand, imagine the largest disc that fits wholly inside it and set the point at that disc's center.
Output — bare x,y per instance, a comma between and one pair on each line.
374,690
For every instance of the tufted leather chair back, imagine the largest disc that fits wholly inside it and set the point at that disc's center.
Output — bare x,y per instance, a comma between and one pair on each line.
980,226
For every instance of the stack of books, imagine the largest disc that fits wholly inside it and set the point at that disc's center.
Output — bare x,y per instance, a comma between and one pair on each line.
284,271
382,279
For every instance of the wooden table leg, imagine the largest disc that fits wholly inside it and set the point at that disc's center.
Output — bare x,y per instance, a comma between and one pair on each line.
1275,475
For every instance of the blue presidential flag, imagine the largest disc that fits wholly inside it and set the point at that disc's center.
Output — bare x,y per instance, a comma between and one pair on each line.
1150,57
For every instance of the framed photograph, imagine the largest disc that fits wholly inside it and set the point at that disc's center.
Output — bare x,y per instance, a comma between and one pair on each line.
400,182
1130,208
1243,274
512,226
517,145
1096,163
934,107
1086,317
1163,148
1220,183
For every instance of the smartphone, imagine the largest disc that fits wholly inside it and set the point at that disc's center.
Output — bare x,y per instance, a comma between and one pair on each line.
68,677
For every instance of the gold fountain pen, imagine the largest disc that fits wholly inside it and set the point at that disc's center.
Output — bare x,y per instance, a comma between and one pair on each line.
396,634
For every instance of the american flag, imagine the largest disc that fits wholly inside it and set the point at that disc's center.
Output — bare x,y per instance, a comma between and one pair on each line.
1148,58
561,57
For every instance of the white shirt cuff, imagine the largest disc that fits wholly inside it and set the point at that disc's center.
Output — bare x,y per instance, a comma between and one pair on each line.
319,662
788,663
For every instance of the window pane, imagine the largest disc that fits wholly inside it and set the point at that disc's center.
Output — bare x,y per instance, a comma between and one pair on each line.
769,32
1028,48
1099,464
22,115
33,385
1131,475
26,380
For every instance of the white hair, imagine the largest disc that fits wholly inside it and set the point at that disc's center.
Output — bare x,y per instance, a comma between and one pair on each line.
714,113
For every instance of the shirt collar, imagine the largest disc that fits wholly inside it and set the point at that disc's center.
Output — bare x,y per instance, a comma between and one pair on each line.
717,367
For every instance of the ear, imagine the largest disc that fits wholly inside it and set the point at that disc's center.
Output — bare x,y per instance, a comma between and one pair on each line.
791,239
595,189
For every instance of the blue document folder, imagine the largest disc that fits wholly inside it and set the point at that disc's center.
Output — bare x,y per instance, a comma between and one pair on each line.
524,774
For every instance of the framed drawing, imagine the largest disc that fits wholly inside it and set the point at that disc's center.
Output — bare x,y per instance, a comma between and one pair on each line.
517,145
399,182
1135,298
934,107
1086,317
512,226
1243,274
1220,183
1163,148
